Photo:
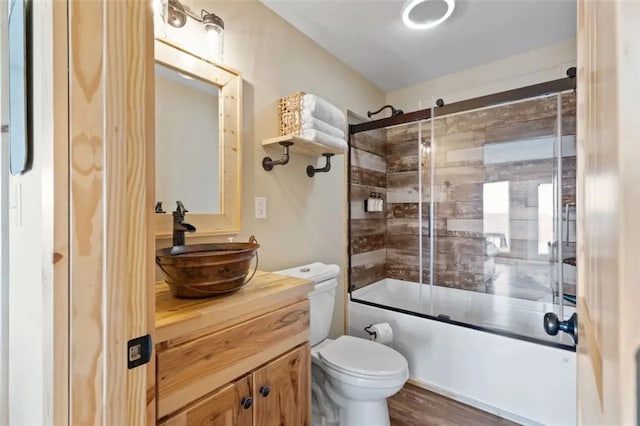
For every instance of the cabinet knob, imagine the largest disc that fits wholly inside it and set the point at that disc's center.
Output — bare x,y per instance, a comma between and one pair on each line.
265,390
246,402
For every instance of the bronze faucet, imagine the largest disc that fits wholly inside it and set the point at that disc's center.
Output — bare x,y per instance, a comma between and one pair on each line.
179,225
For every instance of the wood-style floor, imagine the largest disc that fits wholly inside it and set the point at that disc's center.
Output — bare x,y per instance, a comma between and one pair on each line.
413,406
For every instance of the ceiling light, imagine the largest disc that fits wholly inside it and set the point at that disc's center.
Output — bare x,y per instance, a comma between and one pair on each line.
430,23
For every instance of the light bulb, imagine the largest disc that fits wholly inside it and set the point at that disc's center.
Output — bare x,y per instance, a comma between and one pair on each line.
214,43
214,33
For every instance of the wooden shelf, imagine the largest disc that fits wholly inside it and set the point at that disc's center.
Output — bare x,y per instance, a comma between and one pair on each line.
303,146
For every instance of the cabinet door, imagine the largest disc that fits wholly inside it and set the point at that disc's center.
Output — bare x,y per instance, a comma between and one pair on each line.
282,390
231,406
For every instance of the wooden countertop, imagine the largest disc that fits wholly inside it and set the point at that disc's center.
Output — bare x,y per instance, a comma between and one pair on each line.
176,318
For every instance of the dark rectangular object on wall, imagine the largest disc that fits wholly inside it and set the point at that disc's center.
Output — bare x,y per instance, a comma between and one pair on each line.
19,86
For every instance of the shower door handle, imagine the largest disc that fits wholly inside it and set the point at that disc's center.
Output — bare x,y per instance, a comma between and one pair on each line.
552,325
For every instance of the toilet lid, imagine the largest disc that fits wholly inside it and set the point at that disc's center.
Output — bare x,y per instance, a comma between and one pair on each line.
353,354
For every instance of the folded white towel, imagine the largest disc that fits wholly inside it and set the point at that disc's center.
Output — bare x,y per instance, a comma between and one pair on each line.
324,139
309,122
319,108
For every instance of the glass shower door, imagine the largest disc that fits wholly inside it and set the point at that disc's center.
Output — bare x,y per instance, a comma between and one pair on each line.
497,191
387,266
478,223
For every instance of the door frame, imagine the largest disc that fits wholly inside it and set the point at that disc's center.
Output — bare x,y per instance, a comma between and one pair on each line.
608,208
111,191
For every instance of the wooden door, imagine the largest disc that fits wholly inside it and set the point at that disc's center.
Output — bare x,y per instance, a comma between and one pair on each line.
231,406
282,390
111,191
608,211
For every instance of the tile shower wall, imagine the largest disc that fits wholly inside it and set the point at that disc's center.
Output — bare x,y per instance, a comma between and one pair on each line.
367,230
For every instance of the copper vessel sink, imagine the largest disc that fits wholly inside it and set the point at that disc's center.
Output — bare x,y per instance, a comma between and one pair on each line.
204,270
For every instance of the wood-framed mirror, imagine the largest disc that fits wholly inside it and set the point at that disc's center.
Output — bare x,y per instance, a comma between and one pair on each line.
198,110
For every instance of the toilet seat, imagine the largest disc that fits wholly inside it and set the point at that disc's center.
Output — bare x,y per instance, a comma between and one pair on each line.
363,359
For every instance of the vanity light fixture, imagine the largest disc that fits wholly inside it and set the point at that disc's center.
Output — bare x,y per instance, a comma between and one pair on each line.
213,24
214,30
429,23
177,17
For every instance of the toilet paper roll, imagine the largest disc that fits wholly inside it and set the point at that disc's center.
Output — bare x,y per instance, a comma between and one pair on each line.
381,333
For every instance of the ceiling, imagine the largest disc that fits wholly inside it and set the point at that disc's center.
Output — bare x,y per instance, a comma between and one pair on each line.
370,36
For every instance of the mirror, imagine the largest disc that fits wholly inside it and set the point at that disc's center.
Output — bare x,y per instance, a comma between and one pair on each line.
197,141
187,148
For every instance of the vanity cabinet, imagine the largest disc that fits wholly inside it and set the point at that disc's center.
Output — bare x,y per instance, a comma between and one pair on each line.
223,408
276,394
242,359
282,390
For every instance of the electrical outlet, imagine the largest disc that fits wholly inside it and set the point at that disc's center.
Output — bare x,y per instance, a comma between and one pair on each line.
261,207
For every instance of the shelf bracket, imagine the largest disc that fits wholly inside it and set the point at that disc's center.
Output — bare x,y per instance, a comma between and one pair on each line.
311,171
268,162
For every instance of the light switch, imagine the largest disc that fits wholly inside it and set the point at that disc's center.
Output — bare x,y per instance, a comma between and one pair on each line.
15,204
261,207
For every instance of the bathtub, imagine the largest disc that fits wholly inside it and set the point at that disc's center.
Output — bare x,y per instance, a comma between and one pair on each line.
487,351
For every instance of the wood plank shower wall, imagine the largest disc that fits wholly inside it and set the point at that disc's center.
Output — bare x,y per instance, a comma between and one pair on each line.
387,246
467,145
367,230
403,182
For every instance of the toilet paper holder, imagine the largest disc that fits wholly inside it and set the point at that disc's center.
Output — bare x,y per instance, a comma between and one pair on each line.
370,332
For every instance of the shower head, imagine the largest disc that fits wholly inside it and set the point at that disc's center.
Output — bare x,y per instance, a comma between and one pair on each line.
394,111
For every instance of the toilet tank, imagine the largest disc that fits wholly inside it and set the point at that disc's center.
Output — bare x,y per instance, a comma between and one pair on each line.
321,299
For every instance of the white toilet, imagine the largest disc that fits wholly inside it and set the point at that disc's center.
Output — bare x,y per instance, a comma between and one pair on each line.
351,377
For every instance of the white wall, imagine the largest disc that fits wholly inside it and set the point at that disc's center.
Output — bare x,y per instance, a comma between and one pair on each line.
306,217
25,295
535,66
31,248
